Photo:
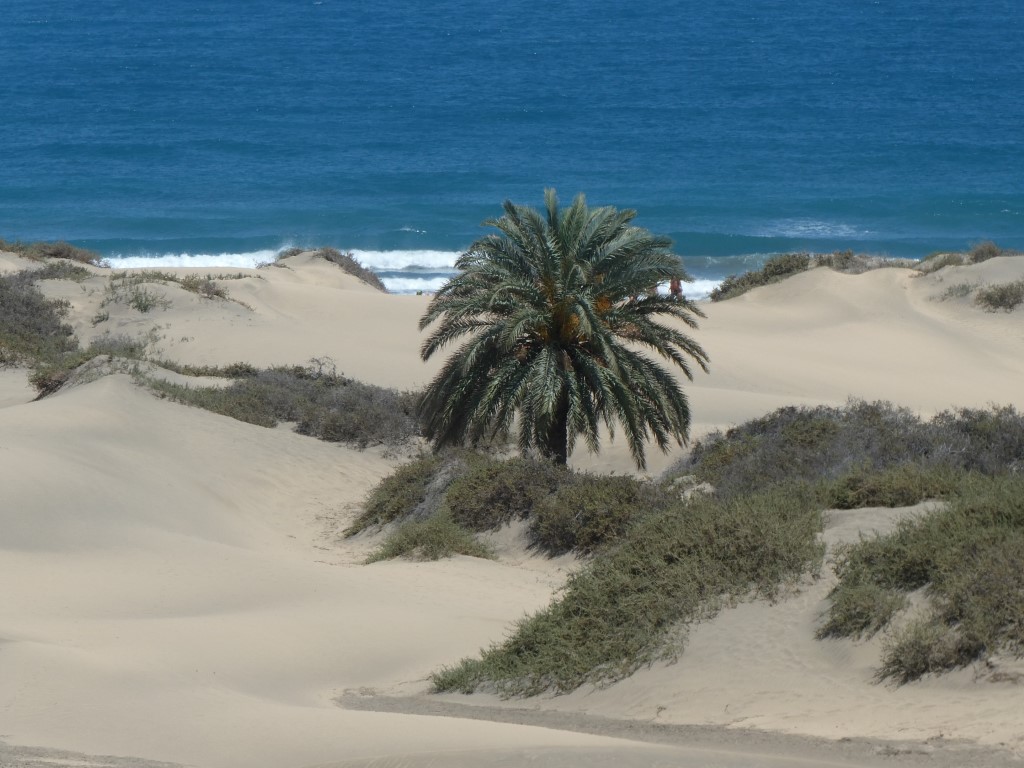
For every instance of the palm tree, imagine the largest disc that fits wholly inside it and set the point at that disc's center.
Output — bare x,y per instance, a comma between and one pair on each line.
558,310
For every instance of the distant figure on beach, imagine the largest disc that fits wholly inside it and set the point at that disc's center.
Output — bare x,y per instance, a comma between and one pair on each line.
675,287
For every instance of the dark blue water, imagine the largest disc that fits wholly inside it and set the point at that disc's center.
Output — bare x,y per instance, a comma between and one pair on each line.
739,128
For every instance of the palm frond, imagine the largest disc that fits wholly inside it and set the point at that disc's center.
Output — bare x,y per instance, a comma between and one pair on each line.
553,311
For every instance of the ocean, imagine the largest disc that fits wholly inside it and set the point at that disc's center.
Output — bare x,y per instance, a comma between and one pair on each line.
218,133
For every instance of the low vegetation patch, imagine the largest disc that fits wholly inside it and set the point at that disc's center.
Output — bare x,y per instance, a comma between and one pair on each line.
62,270
430,539
980,252
567,511
900,485
587,512
788,264
984,251
119,345
132,288
203,285
238,370
875,454
345,260
1002,296
966,557
631,606
321,402
32,327
398,495
827,444
958,291
49,375
59,250
780,267
775,269
852,263
658,561
492,492
936,261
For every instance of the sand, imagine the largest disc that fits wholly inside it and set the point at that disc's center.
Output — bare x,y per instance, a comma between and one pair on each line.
176,590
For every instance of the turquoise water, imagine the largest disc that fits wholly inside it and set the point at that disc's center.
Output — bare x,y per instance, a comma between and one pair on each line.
218,133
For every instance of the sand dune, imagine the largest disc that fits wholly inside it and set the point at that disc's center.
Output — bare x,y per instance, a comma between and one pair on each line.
175,587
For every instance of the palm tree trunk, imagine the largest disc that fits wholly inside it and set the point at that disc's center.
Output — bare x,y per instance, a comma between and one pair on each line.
558,436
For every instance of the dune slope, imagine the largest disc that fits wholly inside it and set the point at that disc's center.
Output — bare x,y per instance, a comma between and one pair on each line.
175,587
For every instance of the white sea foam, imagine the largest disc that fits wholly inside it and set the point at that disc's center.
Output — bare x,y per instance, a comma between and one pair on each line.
375,260
413,284
810,228
698,289
234,260
394,260
408,262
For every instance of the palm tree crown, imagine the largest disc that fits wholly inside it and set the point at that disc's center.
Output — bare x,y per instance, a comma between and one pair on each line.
558,310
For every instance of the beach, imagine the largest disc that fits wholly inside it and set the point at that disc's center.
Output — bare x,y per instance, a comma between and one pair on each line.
178,591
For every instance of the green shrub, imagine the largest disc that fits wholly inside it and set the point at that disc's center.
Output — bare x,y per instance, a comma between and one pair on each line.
775,269
252,404
1004,296
860,610
434,538
465,677
131,290
958,291
322,403
58,250
923,646
968,556
984,251
840,261
937,261
901,485
349,264
62,270
588,511
32,327
567,511
852,263
397,495
238,370
826,443
497,492
145,300
785,265
350,411
204,286
984,597
677,562
49,375
990,440
630,606
803,444
118,345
